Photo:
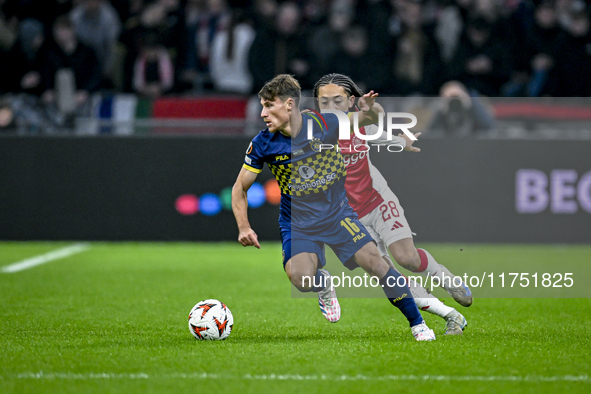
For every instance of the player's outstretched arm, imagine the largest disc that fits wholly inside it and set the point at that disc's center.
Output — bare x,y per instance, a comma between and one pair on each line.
369,109
246,236
409,142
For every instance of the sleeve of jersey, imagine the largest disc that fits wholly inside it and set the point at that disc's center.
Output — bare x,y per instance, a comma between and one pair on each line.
253,161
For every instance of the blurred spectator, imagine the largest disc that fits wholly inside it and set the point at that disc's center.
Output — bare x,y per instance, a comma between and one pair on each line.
463,111
448,30
573,60
466,8
281,50
354,61
8,33
45,11
481,61
229,55
459,113
57,8
129,11
496,16
325,40
163,18
69,54
563,12
506,31
264,13
153,71
415,60
187,60
543,41
98,26
315,11
204,19
127,8
26,59
7,118
402,47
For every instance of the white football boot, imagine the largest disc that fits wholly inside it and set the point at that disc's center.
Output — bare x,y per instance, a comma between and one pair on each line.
461,293
423,333
456,323
327,300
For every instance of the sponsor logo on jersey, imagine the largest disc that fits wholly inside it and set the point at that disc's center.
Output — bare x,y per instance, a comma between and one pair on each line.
314,184
249,149
281,158
357,141
306,172
248,160
353,159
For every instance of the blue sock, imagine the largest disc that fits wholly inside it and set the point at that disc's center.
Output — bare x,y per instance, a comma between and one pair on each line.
318,282
401,297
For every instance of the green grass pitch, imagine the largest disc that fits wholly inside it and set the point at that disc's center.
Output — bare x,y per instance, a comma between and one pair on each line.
114,319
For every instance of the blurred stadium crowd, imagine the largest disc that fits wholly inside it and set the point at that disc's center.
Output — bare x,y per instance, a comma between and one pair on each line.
508,48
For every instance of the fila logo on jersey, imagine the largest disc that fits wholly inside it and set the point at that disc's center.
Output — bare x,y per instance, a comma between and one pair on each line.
398,298
396,225
358,237
281,158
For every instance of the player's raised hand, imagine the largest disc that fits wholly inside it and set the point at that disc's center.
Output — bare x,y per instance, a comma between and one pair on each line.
249,238
409,142
367,101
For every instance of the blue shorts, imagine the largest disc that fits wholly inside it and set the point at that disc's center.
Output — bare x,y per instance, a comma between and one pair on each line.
345,237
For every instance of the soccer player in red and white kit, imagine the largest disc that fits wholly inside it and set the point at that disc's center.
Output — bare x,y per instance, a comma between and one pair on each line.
379,209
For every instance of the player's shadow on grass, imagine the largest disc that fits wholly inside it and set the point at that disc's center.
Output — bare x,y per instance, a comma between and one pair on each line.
339,336
264,339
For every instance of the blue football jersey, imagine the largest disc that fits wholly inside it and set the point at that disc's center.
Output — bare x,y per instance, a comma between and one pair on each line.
311,175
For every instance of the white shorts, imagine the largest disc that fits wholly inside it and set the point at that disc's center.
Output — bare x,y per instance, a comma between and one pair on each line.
387,224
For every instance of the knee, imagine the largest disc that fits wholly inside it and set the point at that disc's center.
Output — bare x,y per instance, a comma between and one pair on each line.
302,279
408,259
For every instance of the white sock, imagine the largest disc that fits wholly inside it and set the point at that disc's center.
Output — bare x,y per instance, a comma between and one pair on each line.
427,302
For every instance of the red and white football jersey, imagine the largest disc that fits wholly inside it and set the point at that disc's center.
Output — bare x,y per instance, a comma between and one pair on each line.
361,192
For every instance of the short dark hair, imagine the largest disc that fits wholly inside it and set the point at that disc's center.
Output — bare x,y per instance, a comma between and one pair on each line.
283,86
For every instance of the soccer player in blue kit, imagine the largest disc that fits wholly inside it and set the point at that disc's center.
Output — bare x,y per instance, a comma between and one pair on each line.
314,210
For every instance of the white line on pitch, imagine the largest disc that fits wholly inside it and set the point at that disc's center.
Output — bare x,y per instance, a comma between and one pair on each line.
45,258
272,376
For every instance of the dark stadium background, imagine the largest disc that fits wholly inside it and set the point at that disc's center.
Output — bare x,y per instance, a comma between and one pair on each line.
112,165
